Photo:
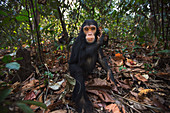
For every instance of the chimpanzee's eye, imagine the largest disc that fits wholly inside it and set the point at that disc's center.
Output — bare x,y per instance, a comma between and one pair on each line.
86,28
93,28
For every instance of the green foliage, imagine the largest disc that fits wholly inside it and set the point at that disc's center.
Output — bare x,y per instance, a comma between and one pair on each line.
40,104
21,104
122,68
19,58
164,51
161,52
3,13
4,93
49,74
24,107
147,66
13,65
125,19
7,59
106,30
22,18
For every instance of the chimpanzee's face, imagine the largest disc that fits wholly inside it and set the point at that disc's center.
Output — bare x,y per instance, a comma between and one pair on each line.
89,31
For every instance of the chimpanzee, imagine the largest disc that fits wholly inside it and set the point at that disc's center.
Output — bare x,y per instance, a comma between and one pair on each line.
86,51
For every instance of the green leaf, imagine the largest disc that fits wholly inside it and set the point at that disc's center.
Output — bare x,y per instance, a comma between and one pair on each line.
49,74
4,109
164,51
106,30
22,18
151,53
24,12
35,103
136,47
19,58
4,93
48,26
7,59
13,65
24,107
142,33
122,68
3,13
59,57
61,47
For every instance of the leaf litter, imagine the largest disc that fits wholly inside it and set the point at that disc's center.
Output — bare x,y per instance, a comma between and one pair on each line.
142,85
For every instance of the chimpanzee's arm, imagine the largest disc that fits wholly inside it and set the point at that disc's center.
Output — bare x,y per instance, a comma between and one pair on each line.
104,64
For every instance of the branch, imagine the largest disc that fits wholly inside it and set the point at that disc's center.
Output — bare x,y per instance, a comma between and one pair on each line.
62,22
37,30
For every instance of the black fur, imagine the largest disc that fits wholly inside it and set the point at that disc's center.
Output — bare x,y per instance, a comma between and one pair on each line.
82,61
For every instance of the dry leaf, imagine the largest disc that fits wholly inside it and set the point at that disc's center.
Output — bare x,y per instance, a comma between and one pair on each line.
34,107
113,107
119,62
155,41
134,94
132,63
164,75
30,96
138,70
15,87
124,85
99,82
30,84
59,111
118,56
140,77
146,76
145,91
138,106
157,102
55,86
104,96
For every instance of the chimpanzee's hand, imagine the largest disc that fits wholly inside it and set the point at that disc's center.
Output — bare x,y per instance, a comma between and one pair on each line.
100,40
110,75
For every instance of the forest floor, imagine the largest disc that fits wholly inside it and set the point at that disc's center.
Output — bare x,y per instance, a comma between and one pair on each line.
143,78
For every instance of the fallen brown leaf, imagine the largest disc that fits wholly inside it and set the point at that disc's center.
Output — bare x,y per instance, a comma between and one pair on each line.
157,102
140,77
124,85
30,96
30,84
113,107
59,111
145,91
104,96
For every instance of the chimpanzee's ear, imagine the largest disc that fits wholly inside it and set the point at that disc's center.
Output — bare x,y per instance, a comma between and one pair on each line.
79,29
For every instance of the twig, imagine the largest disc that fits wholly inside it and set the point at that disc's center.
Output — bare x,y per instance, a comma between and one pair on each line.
132,107
28,78
18,77
137,102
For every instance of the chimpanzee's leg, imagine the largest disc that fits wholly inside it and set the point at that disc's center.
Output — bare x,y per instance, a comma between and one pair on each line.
103,62
79,94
